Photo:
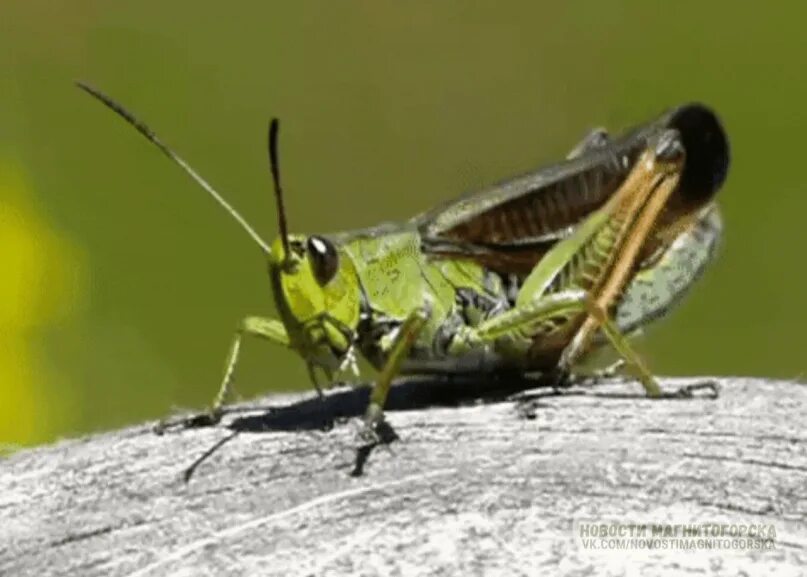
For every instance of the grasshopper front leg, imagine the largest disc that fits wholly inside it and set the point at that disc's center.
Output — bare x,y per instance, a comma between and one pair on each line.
266,328
269,329
398,351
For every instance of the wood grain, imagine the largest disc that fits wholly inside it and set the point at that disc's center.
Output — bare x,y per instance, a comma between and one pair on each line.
490,486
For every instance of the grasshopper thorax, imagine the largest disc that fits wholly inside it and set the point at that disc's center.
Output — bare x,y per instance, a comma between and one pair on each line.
318,295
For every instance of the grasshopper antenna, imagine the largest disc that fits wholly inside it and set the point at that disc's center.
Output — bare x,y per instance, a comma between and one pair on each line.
274,128
147,132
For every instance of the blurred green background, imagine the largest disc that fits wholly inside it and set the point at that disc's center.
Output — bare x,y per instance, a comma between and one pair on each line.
121,283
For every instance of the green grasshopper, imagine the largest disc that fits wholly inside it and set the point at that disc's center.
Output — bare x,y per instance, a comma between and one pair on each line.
527,276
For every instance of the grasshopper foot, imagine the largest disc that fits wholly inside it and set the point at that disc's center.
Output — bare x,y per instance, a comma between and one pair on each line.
371,436
527,409
689,391
380,433
376,430
560,378
208,419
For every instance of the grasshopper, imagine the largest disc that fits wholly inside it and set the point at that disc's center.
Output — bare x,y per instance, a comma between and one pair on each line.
528,275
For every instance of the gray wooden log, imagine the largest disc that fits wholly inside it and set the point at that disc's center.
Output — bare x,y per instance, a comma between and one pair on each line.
492,488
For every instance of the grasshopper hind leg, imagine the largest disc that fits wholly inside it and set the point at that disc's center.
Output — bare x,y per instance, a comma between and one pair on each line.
631,359
266,328
529,317
632,362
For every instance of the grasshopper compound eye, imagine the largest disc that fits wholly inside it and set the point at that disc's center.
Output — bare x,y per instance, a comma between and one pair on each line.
323,257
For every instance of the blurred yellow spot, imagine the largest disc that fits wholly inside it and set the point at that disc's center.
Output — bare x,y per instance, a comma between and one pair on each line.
39,271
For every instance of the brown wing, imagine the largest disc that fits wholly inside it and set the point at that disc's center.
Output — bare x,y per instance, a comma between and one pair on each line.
508,227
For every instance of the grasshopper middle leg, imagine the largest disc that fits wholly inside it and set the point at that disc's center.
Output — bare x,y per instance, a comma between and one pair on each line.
263,327
398,351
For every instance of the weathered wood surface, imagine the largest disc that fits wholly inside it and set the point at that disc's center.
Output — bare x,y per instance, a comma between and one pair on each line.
478,489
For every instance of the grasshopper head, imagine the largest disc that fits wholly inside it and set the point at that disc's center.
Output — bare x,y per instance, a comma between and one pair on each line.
316,287
318,296
315,283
